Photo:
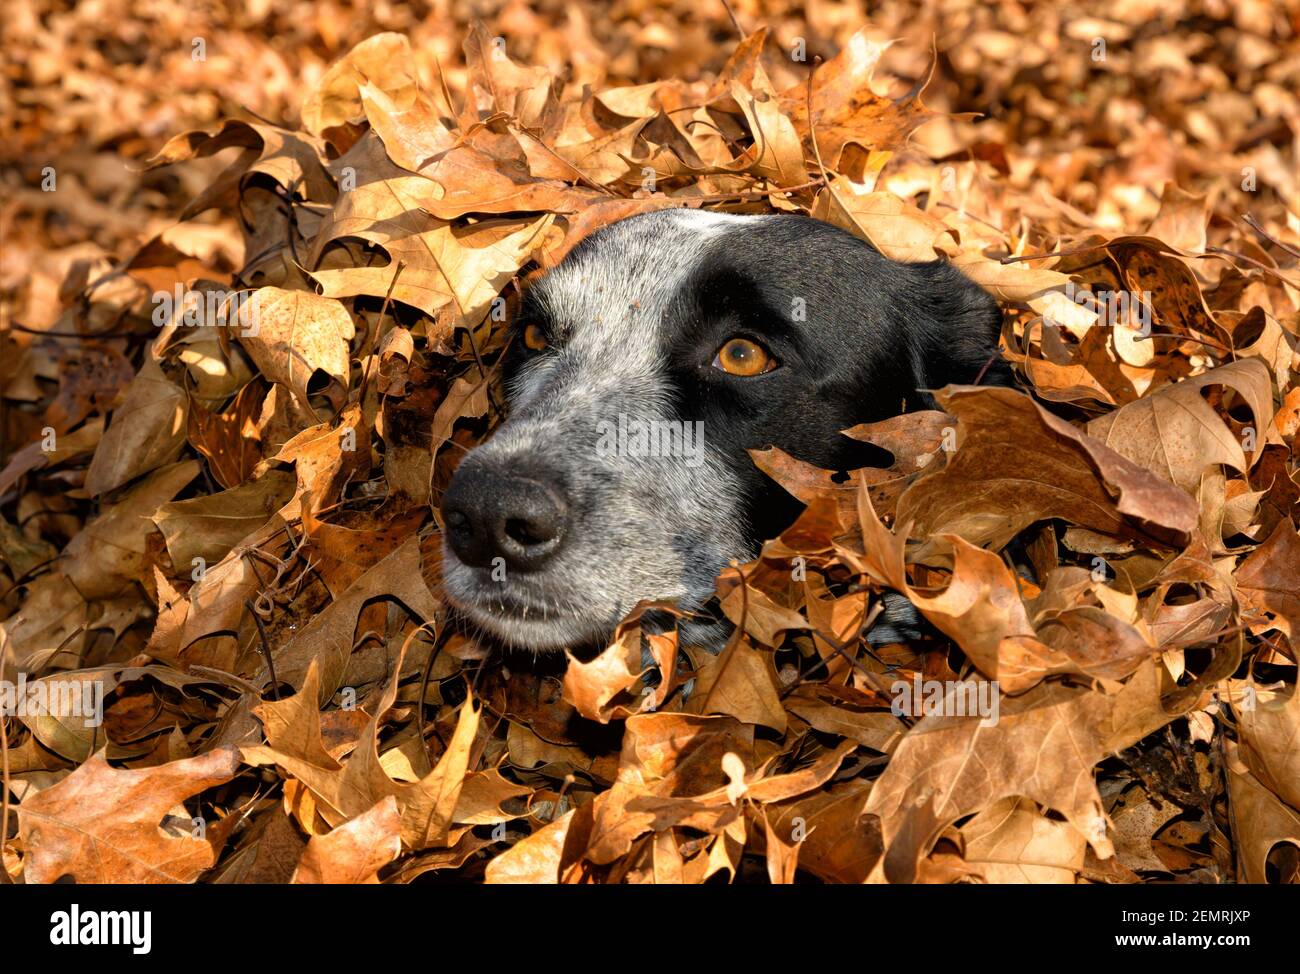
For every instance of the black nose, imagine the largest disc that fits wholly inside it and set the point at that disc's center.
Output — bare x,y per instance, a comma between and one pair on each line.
492,516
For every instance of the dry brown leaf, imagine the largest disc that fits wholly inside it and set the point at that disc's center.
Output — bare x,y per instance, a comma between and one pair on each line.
292,335
355,851
1269,580
1263,820
1270,739
1176,434
146,432
108,825
1012,842
1043,747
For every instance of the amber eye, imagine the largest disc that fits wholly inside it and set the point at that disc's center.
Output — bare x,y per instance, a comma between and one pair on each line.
535,337
740,356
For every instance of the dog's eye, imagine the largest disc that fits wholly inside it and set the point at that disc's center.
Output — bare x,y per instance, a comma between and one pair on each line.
740,356
535,337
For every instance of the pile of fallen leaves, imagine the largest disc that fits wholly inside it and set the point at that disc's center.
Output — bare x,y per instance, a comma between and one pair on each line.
220,507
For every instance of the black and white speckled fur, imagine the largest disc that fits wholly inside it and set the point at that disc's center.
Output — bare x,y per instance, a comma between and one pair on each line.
633,318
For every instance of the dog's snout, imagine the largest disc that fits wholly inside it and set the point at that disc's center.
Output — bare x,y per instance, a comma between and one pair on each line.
490,516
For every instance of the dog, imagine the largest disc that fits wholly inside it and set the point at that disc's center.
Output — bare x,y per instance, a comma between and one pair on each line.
642,368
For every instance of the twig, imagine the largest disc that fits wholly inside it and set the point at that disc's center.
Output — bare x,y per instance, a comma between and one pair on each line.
861,623
1252,261
967,213
980,378
27,575
434,652
756,194
221,676
812,130
266,647
1251,222
1189,338
1060,253
582,176
735,21
373,340
482,372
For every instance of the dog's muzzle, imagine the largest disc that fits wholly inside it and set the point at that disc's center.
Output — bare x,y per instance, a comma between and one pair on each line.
493,515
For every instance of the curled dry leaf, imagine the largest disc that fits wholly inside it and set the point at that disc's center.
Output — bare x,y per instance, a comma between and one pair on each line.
1012,468
1176,434
1269,580
1270,739
1264,819
1047,742
292,335
1012,842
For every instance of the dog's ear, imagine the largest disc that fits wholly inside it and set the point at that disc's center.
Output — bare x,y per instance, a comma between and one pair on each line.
959,328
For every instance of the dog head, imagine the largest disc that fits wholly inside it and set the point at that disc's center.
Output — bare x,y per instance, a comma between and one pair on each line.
641,370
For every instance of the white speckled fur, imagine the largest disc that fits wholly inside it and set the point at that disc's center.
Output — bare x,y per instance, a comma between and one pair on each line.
643,527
